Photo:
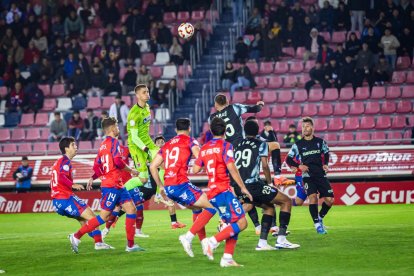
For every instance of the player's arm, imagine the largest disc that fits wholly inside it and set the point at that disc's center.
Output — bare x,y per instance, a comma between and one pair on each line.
63,178
195,148
325,151
198,165
120,163
293,152
234,172
241,108
155,164
135,134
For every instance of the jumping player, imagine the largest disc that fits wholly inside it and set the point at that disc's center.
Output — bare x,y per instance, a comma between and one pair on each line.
65,201
175,155
217,157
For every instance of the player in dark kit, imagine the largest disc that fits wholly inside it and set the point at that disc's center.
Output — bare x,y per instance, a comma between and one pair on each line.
313,153
250,153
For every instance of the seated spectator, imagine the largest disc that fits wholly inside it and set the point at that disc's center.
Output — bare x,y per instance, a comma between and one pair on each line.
129,81
57,52
7,39
83,64
87,13
58,128
112,83
136,24
407,44
25,37
268,133
272,47
109,13
227,76
46,72
363,66
30,53
353,45
130,53
332,72
91,124
382,72
144,77
256,48
10,14
297,13
75,125
347,72
326,17
292,136
313,14
154,11
74,47
16,99
77,84
23,176
325,54
172,90
97,82
73,25
339,54
164,37
162,96
242,51
40,41
153,91
58,28
120,111
16,51
342,20
243,78
373,42
153,44
312,44
176,52
290,32
69,66
33,98
253,23
317,75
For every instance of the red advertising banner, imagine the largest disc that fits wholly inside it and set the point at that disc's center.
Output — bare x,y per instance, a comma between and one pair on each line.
401,192
344,163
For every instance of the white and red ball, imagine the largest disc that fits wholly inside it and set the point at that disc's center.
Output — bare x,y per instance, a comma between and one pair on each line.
186,30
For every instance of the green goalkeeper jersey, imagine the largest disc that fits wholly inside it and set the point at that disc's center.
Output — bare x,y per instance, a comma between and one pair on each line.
139,120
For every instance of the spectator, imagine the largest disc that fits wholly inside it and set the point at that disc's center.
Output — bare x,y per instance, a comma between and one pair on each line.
97,82
373,42
33,98
75,125
334,3
16,99
164,36
69,66
317,75
312,44
325,54
313,15
290,38
58,28
87,13
57,52
326,17
104,115
23,176
382,72
58,128
30,53
357,10
137,24
332,72
34,69
109,13
297,13
10,16
91,124
74,47
154,11
7,40
363,66
161,97
268,133
339,55
109,36
8,70
176,52
153,91
46,72
40,41
243,78
390,44
353,45
83,64
17,77
144,77
347,72
78,84
112,84
342,21
272,47
242,51
16,51
130,53
256,48
65,9
73,25
407,44
253,23
120,111
227,76
129,81
292,136
25,37
172,91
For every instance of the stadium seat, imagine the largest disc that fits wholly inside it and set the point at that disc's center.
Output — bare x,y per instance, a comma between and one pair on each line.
107,102
10,149
85,146
309,65
278,111
147,58
290,81
46,90
275,124
58,90
266,68
296,67
410,77
2,106
169,72
357,108
408,92
367,122
284,96
331,138
398,77
18,134
362,93
383,122
269,96
303,79
127,100
27,120
372,107
404,107
378,92
23,149
211,15
264,113
4,135
284,125
403,63
143,45
275,82
351,123
336,124
338,37
156,71
169,17
299,52
378,138
406,138
398,122
122,72
184,71
325,109
294,110
239,97
42,119
388,107
341,109
394,138
300,96
321,124
33,134
362,138
197,15
346,139
94,102
64,104
331,94
346,94
183,16
310,110
254,68
91,34
2,120
393,92
3,91
53,148
253,97
12,119
315,95
39,148
326,36
261,82
49,104
162,58
281,67
289,51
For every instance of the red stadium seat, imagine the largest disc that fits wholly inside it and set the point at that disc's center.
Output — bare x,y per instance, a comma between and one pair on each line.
362,93
398,77
254,68
3,91
253,97
351,123
269,96
275,82
185,70
18,134
309,65
289,51
284,96
264,113
239,97
275,124
27,120
58,90
408,92
4,134
372,107
367,122
410,77
33,134
346,139
281,67
156,71
49,105
39,148
341,109
278,111
261,82
294,110
46,89
300,96
94,102
346,94
331,94
393,92
183,16
85,146
296,67
331,139
404,107
315,95
398,122
338,37
403,63
394,138
127,100
362,138
325,109
290,81
44,134
10,149
310,110
303,79
406,138
25,148
91,34
321,124
197,15
383,122
122,72
147,58
107,102
284,125
378,92
266,68
53,148
336,124
326,36
169,17
378,138
388,107
299,52
357,108
42,119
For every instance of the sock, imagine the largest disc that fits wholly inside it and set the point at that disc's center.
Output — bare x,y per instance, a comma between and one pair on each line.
273,221
228,232
276,162
201,220
284,219
227,256
89,226
130,228
324,210
230,246
202,233
96,235
313,210
111,219
266,222
254,216
173,218
140,219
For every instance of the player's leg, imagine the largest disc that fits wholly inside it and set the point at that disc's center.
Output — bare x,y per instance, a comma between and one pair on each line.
267,219
254,216
140,158
251,210
131,215
111,220
227,259
325,192
312,193
137,199
300,192
173,217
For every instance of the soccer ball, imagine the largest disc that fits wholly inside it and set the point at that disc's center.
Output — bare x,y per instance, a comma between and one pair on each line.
186,30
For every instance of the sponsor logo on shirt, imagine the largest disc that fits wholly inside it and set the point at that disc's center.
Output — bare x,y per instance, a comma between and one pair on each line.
147,119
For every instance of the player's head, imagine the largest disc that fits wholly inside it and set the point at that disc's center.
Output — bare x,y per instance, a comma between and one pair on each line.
68,146
142,93
252,118
159,140
25,161
220,102
307,127
110,127
218,127
183,125
251,128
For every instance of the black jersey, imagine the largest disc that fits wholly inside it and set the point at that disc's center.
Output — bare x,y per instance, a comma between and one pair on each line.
248,154
312,153
231,114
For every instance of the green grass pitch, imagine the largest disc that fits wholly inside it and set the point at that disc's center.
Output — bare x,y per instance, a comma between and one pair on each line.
362,240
